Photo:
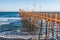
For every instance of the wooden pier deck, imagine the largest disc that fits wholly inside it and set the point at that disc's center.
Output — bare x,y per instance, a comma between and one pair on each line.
48,16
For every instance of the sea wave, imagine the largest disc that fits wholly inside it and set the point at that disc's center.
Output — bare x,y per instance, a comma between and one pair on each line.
3,23
8,20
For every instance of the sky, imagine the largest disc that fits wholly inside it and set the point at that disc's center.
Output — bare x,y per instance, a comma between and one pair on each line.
28,5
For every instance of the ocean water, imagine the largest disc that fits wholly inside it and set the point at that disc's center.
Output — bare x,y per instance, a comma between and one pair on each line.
9,20
10,24
9,14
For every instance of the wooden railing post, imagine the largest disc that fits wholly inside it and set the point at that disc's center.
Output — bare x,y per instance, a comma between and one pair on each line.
48,30
52,30
56,27
46,26
40,33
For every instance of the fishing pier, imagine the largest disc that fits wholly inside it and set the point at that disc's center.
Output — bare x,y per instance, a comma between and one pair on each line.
49,17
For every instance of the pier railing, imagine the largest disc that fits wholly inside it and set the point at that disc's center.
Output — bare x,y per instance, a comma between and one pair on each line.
48,16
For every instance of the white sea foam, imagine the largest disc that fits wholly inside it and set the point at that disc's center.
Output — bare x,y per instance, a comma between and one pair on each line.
8,20
3,23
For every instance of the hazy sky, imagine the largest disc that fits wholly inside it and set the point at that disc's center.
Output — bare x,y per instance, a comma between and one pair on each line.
41,5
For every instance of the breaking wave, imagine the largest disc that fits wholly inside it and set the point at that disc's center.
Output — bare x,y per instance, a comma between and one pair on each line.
8,20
